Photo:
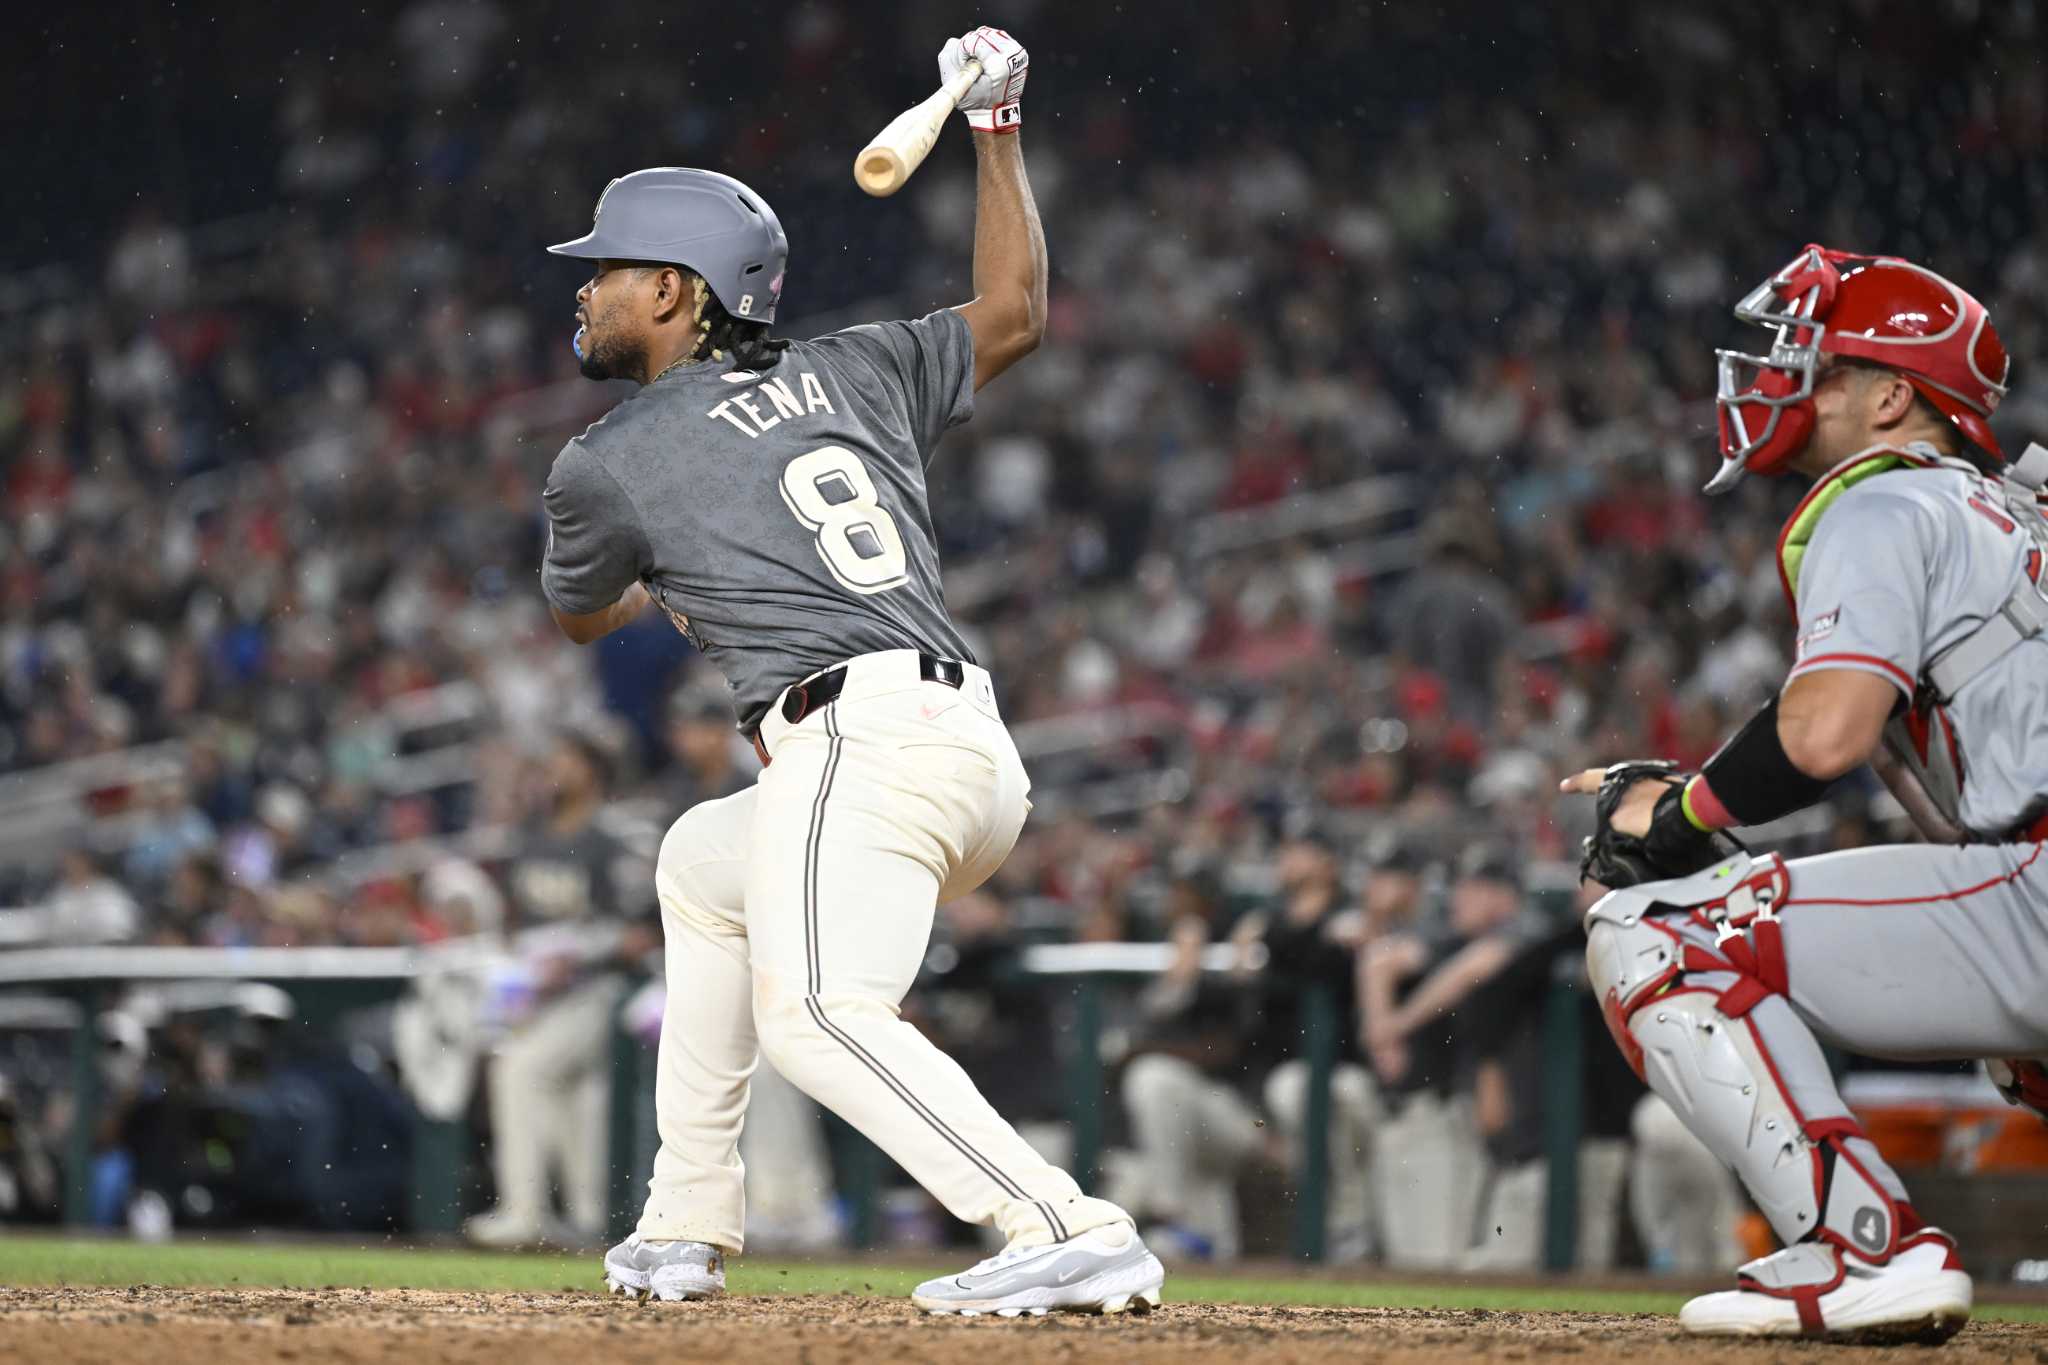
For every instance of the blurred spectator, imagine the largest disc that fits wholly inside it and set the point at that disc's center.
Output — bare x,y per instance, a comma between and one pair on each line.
585,900
1454,618
87,906
1427,1158
709,759
1511,1108
28,1174
1312,936
1683,1202
272,847
1183,1090
171,829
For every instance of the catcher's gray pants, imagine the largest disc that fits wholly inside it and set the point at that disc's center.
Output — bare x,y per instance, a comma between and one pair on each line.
1718,985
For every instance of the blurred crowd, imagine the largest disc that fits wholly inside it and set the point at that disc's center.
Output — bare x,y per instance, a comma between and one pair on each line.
1355,486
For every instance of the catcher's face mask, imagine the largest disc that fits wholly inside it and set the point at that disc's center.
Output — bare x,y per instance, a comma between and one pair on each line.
1764,403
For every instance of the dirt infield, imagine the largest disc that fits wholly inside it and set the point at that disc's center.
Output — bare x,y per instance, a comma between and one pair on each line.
162,1326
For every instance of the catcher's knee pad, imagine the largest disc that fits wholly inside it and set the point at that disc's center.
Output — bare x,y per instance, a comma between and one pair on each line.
1642,939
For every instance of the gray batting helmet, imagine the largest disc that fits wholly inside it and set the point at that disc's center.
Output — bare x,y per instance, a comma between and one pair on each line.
701,220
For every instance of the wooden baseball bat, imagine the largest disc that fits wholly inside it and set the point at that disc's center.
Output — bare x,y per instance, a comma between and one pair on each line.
886,162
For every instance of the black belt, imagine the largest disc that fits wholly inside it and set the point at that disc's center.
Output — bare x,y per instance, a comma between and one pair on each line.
805,697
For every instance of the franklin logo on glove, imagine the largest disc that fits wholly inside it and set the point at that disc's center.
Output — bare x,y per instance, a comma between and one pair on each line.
993,103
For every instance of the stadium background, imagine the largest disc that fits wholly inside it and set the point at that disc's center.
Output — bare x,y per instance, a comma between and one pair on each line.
1351,499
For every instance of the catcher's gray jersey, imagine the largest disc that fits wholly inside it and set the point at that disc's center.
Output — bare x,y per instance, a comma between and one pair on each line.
779,518
1901,566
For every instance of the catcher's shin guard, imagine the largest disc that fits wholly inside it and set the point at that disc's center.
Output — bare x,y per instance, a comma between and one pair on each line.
1709,1030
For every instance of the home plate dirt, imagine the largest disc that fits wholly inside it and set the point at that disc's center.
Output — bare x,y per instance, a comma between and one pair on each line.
149,1325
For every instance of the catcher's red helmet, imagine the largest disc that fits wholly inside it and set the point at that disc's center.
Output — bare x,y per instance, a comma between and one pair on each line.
1876,308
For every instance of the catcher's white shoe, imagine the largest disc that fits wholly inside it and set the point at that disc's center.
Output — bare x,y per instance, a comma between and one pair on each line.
1816,1290
669,1271
1103,1270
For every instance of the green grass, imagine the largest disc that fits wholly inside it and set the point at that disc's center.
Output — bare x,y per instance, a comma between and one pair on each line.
44,1260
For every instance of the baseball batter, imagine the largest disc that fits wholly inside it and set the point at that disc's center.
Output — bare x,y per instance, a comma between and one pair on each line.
1915,569
769,496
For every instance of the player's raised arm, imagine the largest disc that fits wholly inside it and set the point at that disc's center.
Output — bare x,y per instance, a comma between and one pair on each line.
1007,314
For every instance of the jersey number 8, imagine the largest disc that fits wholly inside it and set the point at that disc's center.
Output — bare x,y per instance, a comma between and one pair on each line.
831,492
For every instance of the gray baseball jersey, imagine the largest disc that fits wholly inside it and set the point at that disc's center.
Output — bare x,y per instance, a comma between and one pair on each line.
778,518
1901,566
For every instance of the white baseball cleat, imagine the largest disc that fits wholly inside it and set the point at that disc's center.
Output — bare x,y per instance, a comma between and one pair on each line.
1816,1290
1103,1270
670,1271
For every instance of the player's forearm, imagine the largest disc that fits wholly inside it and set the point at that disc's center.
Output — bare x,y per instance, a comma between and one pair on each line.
1009,250
1380,967
1447,987
1822,726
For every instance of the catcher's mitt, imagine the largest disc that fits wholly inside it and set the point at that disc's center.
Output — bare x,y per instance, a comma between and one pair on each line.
1674,847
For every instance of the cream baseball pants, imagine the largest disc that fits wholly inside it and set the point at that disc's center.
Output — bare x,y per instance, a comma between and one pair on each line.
796,915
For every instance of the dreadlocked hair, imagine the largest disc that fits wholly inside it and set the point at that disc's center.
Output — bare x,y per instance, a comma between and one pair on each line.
720,334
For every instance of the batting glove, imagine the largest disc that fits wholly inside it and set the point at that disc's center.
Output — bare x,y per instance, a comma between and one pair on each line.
991,104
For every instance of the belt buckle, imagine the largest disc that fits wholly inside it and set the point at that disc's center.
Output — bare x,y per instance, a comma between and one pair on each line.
795,703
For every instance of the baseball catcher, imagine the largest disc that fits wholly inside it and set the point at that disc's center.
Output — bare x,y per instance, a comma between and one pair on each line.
1914,567
769,496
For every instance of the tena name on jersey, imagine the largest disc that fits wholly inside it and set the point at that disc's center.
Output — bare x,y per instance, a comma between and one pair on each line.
768,403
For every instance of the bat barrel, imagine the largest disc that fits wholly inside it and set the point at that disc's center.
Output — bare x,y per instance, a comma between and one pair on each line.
884,164
880,170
